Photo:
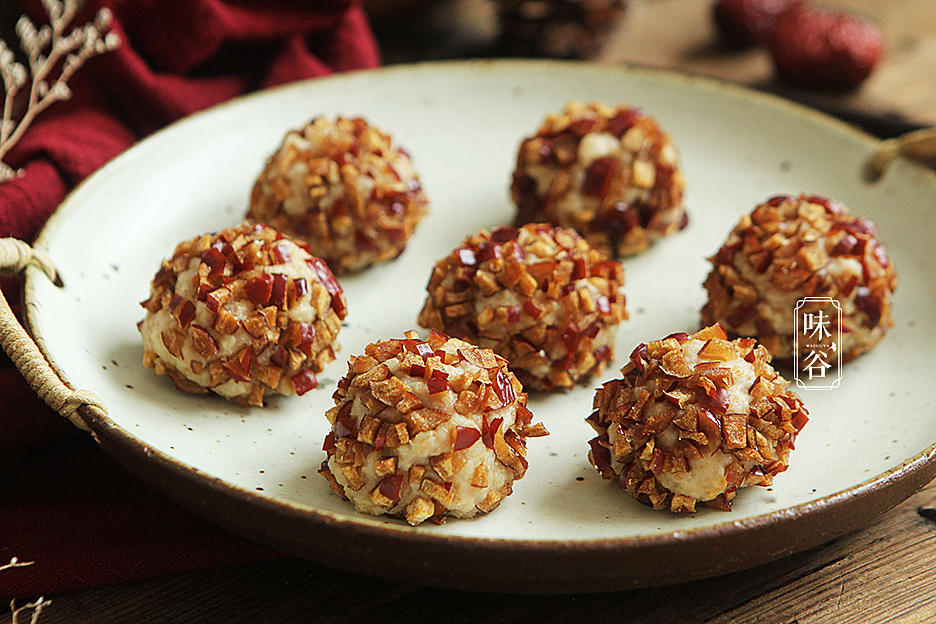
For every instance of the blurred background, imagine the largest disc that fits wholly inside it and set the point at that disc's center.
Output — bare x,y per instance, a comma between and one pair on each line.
898,95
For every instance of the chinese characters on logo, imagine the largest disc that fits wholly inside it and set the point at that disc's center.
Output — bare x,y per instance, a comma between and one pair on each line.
816,343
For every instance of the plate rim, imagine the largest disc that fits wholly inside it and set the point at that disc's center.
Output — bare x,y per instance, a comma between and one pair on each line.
538,566
227,501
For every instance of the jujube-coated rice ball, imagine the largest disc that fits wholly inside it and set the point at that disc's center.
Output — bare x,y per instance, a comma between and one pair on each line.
241,313
693,419
424,430
539,296
344,187
789,249
610,173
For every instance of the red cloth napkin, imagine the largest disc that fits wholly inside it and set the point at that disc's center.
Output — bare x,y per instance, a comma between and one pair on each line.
64,504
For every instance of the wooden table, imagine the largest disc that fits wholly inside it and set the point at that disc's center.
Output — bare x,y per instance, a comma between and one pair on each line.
885,572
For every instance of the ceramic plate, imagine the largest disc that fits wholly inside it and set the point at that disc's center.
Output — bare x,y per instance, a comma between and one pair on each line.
868,445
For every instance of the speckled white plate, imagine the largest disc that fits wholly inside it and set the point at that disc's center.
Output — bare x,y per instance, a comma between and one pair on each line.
868,446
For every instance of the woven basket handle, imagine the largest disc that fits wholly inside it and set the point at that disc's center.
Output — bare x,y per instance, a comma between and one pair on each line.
918,144
15,256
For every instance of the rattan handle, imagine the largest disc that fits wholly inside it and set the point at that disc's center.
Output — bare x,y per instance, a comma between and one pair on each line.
15,256
918,144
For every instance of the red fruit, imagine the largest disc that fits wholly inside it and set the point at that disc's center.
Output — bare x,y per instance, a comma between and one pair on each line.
743,23
825,49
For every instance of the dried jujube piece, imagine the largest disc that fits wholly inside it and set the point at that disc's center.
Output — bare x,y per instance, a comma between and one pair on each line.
789,248
424,430
539,296
242,312
823,48
693,419
610,173
344,187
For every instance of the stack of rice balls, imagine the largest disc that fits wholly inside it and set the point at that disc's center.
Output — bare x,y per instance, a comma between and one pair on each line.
424,429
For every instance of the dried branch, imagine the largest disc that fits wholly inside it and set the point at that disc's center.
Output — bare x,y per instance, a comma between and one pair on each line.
36,607
47,48
15,563
21,610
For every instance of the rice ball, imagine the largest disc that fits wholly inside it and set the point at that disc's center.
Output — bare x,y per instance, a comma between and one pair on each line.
610,173
693,419
423,430
539,296
241,313
345,188
790,248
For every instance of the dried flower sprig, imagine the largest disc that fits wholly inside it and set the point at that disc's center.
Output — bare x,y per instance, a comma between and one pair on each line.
15,563
45,48
36,606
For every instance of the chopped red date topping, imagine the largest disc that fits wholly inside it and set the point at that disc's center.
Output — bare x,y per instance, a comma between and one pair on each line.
186,313
489,431
280,254
391,485
238,366
438,382
504,234
303,381
503,387
215,260
277,295
301,286
598,177
531,309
